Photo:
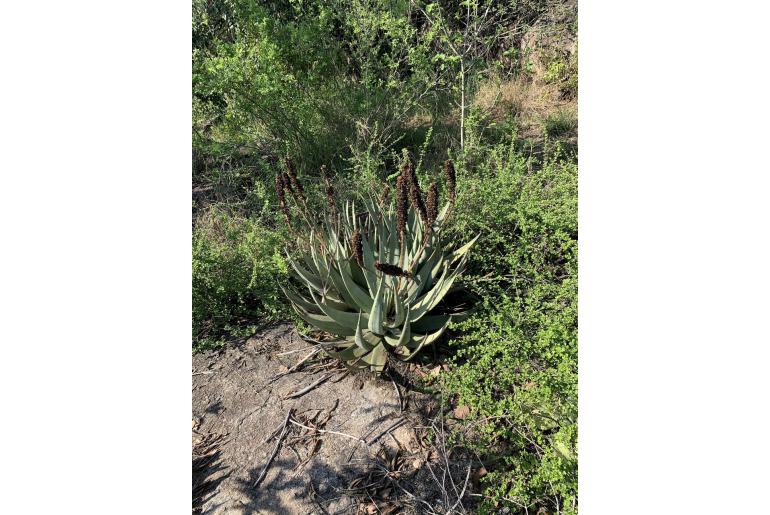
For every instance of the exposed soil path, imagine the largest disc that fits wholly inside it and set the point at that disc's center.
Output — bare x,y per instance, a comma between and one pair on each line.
361,447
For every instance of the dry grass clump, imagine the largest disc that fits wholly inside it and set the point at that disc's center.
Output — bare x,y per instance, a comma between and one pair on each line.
528,102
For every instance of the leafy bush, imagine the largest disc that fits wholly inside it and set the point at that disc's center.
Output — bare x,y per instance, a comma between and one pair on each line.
236,273
516,362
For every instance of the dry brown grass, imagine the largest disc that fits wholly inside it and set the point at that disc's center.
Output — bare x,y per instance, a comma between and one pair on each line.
526,101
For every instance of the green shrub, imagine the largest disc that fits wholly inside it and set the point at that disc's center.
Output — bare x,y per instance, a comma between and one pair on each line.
236,272
516,361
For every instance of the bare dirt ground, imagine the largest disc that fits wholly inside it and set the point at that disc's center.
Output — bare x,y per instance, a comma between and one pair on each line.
333,441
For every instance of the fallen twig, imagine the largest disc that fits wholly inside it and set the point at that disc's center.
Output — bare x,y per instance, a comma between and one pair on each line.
327,431
399,422
300,362
293,368
307,388
341,376
275,450
460,498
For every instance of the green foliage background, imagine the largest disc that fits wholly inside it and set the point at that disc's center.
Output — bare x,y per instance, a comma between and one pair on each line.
349,84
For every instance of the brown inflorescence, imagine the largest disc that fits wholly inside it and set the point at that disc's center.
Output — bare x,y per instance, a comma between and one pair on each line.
415,194
358,248
432,205
449,173
401,205
389,269
287,184
293,178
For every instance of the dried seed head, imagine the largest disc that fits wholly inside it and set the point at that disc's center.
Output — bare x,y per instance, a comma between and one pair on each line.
415,194
393,270
357,248
384,196
449,174
287,184
401,205
432,205
293,178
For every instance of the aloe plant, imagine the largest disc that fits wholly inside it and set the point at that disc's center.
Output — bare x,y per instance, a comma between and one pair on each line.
382,281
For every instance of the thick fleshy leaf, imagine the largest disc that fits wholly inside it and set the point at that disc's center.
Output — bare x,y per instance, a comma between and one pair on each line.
296,298
323,322
376,359
428,301
425,303
402,338
362,342
419,342
376,316
422,276
339,287
306,276
430,323
370,276
343,318
442,215
319,259
358,294
462,251
400,311
349,353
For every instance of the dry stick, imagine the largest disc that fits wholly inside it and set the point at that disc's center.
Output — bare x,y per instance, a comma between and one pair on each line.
467,476
446,455
341,377
295,367
443,490
398,423
319,342
294,351
327,431
307,388
275,450
300,362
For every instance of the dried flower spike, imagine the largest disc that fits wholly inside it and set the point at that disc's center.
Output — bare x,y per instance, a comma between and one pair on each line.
415,194
357,248
293,178
449,173
401,205
432,205
287,184
389,269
